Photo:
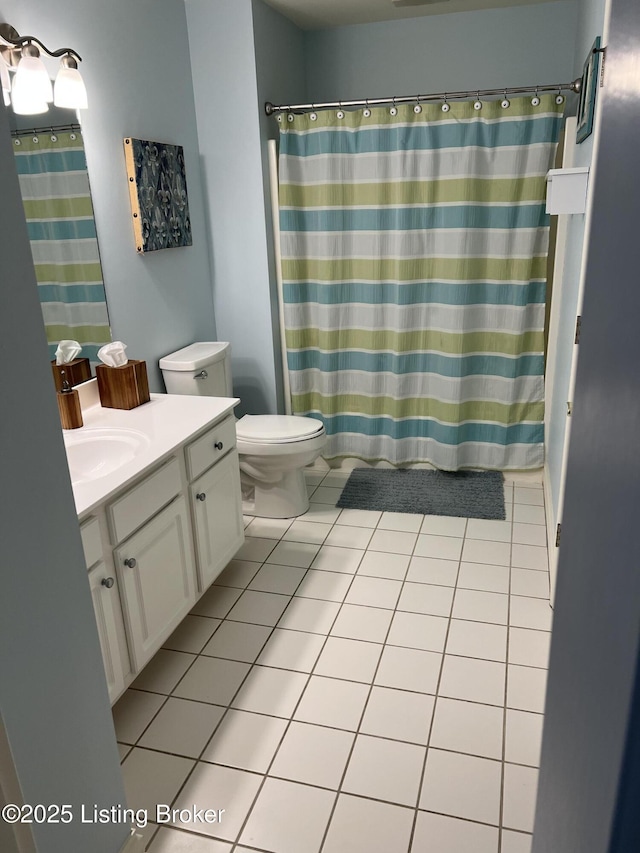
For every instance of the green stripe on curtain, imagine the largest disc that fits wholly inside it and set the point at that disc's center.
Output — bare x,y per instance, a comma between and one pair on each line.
59,212
414,253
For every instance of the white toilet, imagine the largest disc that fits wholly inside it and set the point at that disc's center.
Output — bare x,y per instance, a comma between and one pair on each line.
273,449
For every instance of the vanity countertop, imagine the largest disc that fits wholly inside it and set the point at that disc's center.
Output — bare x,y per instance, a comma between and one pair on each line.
166,422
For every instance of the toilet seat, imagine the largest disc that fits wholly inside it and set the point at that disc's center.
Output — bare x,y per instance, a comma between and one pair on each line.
277,429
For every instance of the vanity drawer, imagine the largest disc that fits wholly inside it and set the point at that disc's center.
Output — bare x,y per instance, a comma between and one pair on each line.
130,511
210,447
91,541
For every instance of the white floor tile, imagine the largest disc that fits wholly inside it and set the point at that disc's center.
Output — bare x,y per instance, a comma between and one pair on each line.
336,478
462,786
495,531
345,536
474,680
530,582
328,586
268,528
468,727
282,580
212,680
360,517
532,496
322,513
380,565
293,554
175,841
519,797
437,833
407,521
529,534
482,551
313,754
256,549
530,557
398,714
440,547
192,634
307,531
153,777
364,826
477,640
238,573
417,631
237,641
291,650
314,477
477,606
217,601
526,688
309,614
400,780
259,608
288,818
426,598
515,842
444,525
484,577
270,691
330,702
431,570
409,669
335,559
530,613
352,660
247,741
529,648
393,541
362,623
326,495
374,592
528,514
182,727
214,787
164,671
523,737
133,712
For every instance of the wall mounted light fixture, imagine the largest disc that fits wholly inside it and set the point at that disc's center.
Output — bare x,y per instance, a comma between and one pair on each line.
31,91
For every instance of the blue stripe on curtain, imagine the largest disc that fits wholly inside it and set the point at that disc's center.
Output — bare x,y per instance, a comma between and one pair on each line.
409,294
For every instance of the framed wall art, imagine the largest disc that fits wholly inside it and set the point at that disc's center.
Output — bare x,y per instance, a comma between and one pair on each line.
588,91
158,195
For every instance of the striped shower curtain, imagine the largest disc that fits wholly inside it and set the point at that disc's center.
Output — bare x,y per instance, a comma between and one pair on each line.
414,255
54,182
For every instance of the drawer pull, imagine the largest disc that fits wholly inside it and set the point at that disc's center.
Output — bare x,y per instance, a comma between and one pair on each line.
131,562
201,496
108,582
218,445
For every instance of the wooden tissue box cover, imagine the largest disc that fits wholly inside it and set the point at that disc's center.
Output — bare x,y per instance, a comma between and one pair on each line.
123,387
76,371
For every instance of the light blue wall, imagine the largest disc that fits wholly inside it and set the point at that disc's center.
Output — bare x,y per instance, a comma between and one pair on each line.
485,49
590,25
138,76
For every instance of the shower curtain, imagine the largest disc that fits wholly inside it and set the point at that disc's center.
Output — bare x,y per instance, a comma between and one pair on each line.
414,266
54,183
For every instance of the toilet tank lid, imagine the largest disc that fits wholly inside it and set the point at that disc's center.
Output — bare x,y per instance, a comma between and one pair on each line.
196,356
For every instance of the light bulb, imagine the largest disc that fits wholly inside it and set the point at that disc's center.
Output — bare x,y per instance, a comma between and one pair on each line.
69,89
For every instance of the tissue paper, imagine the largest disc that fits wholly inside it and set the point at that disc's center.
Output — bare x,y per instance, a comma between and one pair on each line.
113,354
67,351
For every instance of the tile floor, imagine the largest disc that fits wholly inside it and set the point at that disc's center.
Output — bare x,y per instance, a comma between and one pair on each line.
354,682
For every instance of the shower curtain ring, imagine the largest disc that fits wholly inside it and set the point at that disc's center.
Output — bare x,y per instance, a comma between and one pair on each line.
506,103
394,110
478,103
313,115
445,106
535,101
340,113
366,112
417,109
559,98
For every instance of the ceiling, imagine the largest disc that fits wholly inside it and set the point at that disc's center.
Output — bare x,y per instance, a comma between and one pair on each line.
321,14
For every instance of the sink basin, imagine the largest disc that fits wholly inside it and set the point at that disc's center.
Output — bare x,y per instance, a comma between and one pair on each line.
94,453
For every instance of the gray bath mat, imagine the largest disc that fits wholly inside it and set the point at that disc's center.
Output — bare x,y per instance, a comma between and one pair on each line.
472,494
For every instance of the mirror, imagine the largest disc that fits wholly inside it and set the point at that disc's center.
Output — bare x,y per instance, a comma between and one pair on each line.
54,182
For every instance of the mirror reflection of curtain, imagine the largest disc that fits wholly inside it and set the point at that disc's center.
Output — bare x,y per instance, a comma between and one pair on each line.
52,170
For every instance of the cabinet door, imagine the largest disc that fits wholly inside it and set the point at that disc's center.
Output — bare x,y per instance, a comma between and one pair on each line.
157,580
106,604
217,511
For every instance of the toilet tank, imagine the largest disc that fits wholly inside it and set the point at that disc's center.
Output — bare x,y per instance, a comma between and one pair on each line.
201,369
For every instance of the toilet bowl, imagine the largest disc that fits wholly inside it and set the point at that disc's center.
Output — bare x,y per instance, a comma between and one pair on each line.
273,449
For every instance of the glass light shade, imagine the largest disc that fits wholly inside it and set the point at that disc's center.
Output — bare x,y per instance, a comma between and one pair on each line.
69,90
7,98
26,102
4,77
33,77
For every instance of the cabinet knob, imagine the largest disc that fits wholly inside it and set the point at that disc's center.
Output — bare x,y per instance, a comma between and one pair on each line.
218,445
131,562
201,496
108,582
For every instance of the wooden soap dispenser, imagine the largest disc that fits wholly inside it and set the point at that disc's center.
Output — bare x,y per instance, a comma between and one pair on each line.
69,405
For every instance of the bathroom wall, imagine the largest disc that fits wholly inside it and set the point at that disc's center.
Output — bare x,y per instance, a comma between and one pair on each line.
54,705
138,76
484,49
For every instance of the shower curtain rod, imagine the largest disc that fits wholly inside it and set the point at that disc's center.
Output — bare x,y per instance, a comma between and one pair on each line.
271,109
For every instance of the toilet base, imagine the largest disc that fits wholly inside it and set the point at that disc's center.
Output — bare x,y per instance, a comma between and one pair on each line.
287,498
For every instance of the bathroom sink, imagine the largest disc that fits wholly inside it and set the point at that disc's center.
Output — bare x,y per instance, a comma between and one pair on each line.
94,453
